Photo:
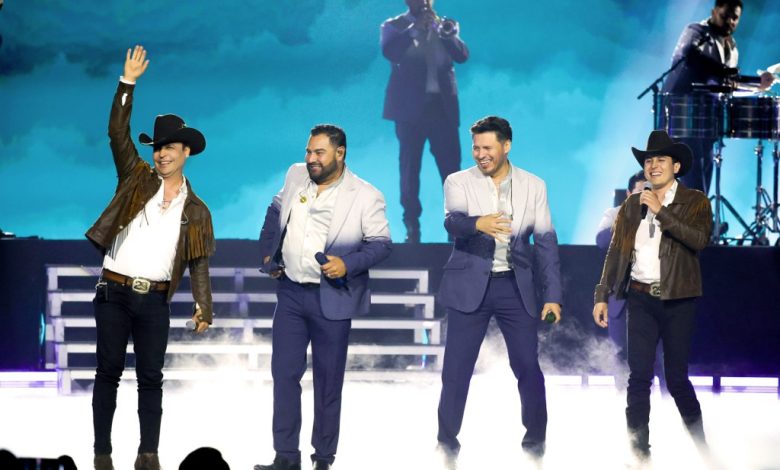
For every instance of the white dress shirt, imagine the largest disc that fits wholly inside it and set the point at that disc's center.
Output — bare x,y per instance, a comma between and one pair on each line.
307,231
147,246
647,265
502,202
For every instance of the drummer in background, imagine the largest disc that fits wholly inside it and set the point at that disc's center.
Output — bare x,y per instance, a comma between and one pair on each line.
711,59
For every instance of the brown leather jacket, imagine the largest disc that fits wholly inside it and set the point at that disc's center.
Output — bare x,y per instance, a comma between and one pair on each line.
686,225
138,183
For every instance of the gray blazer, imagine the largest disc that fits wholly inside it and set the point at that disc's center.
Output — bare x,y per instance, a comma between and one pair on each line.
466,274
359,234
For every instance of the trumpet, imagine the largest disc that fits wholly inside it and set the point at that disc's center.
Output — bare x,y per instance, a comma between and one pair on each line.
445,27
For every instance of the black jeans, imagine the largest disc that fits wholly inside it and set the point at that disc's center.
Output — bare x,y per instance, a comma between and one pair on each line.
119,314
671,321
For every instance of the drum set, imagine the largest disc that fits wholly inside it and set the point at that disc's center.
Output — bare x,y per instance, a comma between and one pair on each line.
715,116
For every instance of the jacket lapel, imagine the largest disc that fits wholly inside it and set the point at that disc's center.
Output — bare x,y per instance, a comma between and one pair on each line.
478,184
519,200
291,195
345,200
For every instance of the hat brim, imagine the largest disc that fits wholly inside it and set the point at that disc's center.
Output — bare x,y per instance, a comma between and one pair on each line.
679,151
188,136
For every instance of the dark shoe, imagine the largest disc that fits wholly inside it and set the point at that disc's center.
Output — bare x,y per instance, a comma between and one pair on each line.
534,451
640,442
695,427
449,456
321,465
103,462
147,461
280,463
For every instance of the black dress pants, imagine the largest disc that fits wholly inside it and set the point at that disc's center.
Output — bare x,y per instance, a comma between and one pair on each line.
442,133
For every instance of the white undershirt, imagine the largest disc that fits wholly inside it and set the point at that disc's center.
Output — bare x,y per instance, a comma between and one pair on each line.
647,264
147,246
733,59
307,231
502,202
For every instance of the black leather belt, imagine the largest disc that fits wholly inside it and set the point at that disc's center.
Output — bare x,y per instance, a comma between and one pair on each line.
653,289
305,285
138,284
508,273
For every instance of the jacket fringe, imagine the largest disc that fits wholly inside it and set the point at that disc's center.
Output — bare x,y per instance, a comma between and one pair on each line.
200,241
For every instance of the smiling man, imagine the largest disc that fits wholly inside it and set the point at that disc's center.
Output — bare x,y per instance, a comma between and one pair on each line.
492,210
653,261
322,209
152,230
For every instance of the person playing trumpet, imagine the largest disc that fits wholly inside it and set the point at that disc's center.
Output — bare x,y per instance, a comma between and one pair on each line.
422,97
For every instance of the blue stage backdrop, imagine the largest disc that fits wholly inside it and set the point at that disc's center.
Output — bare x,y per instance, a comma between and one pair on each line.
255,76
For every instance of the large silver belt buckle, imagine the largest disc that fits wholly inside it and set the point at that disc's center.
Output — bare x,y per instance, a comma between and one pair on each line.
655,289
141,286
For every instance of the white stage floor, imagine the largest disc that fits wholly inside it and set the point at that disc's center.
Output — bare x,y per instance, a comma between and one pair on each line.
392,425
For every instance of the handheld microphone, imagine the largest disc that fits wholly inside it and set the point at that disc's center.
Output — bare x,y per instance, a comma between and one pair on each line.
549,317
647,186
190,325
322,259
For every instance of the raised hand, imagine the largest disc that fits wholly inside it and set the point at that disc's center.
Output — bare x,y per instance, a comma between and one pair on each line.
135,63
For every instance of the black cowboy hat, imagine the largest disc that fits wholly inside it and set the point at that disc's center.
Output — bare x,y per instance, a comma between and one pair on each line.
659,143
171,128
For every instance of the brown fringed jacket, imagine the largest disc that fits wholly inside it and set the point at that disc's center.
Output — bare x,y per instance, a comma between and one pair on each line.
138,183
686,225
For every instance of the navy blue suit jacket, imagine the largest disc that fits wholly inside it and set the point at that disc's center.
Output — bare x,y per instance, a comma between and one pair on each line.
405,94
701,65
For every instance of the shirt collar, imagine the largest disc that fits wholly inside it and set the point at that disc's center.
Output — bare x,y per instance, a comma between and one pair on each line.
669,196
506,179
183,188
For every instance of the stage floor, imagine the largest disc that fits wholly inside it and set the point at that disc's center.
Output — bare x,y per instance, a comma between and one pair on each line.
391,424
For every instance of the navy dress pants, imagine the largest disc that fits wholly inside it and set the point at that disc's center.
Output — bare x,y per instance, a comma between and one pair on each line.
465,332
298,321
442,133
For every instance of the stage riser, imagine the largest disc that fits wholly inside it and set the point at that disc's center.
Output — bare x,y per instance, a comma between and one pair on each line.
737,326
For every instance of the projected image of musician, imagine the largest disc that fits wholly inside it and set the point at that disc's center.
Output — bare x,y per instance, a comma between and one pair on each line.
710,63
422,97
